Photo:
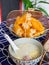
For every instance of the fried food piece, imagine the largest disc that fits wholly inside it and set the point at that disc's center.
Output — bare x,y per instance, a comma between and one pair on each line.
25,26
32,32
20,20
18,30
37,24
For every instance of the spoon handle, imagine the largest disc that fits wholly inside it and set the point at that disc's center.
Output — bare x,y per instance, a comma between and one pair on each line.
11,42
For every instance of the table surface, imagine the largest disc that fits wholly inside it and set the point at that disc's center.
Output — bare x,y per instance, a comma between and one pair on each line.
5,59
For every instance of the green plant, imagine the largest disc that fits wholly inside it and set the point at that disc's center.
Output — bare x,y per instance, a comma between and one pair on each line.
27,3
33,4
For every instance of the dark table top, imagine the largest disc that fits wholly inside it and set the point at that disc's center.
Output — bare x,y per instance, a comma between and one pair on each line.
5,59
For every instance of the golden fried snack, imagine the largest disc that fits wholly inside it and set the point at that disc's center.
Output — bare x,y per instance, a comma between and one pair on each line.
18,30
27,26
20,20
37,24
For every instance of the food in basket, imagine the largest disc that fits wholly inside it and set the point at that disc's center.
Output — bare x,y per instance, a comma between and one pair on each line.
27,26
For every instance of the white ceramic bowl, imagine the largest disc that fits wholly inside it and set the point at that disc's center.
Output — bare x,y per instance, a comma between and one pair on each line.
22,41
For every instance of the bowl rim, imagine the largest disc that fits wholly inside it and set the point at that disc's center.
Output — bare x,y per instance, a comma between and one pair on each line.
24,11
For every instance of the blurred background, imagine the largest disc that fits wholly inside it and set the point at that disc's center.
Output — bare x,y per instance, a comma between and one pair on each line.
8,5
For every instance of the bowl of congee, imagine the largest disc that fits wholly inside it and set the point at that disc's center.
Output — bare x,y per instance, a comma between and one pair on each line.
29,24
29,53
